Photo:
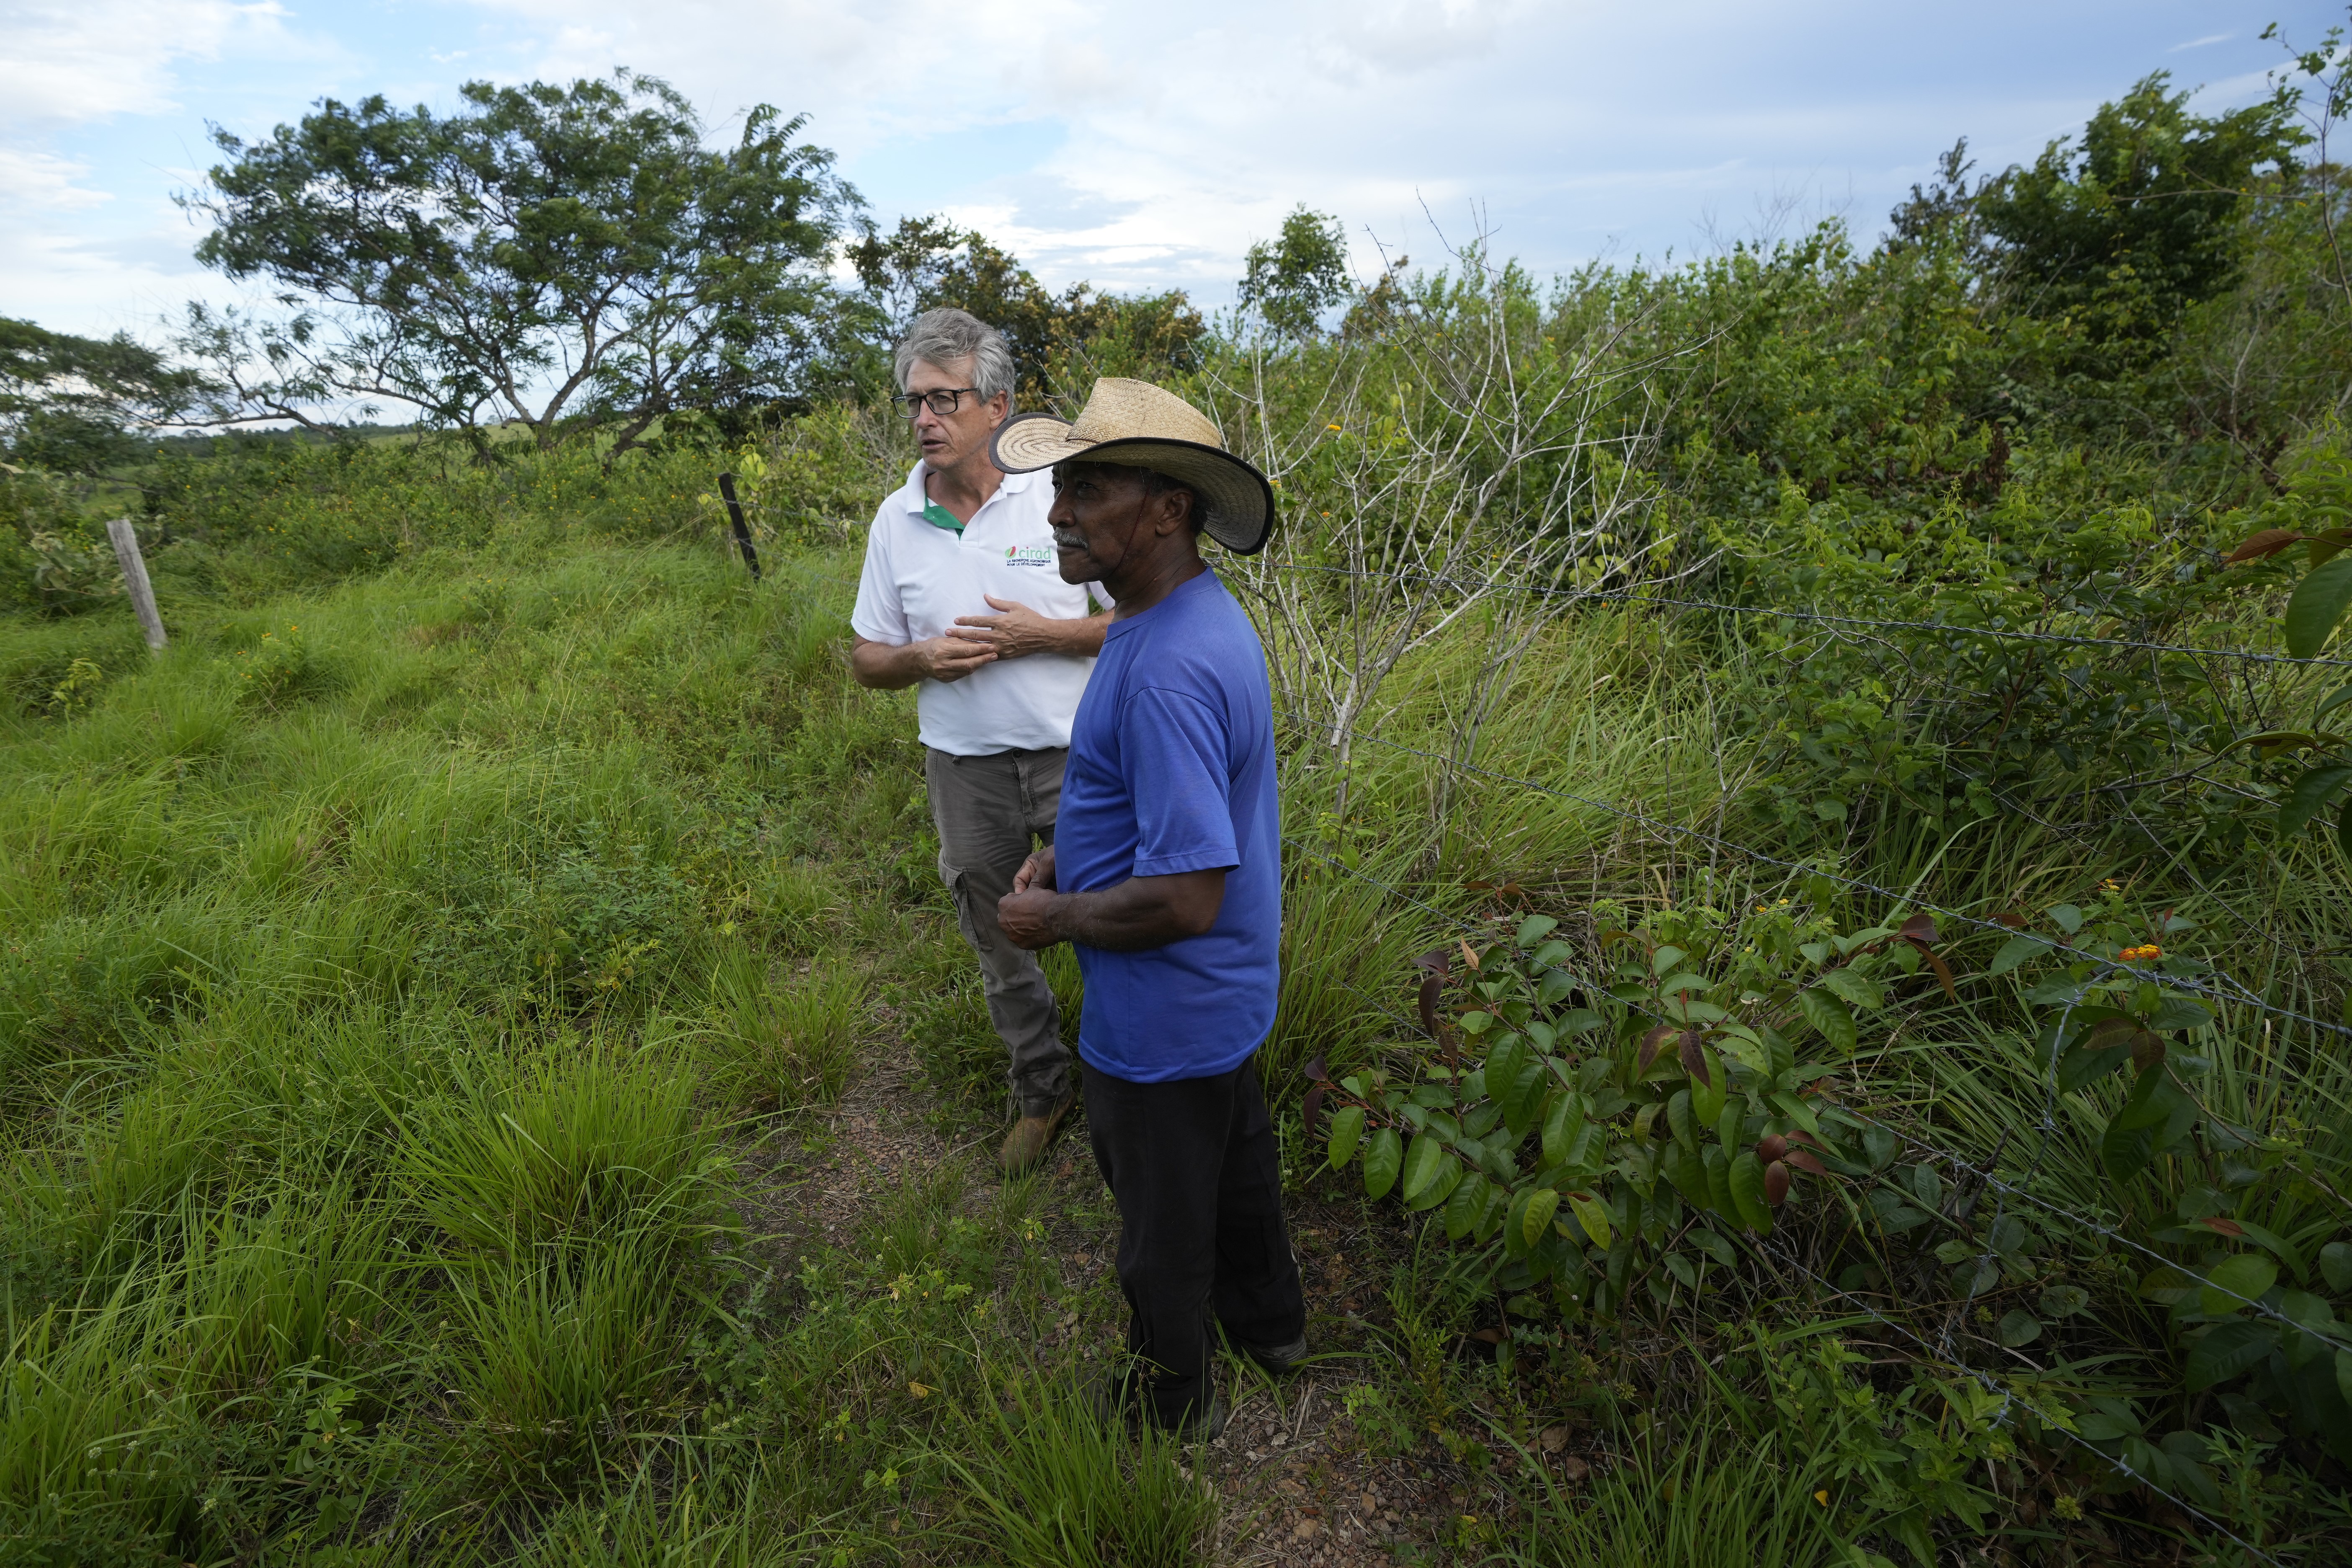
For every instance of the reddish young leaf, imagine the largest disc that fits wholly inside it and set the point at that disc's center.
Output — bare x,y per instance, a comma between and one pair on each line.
1652,1044
2012,919
1695,1060
1804,1162
1771,1147
1313,1114
1318,1070
1435,968
1943,971
1776,1183
2148,1050
2221,1227
1799,1135
1918,930
2269,542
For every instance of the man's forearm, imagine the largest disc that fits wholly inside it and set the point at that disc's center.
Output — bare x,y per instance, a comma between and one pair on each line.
1083,639
1140,914
883,667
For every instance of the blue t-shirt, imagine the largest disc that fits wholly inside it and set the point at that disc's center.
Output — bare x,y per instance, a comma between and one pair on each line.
1171,769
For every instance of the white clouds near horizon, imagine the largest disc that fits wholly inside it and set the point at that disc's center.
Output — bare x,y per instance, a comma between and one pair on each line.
1138,147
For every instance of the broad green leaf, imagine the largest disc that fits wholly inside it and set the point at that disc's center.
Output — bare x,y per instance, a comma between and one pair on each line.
1522,1101
2125,1151
1830,1015
1542,1204
1680,1266
1798,1111
1687,1171
2344,1374
2245,1274
1593,1215
2336,1265
1535,928
2066,917
1707,1098
1382,1159
2080,1067
1449,1176
2181,1013
1564,1122
2316,605
1421,1163
1713,1243
1747,1180
1679,1120
1684,981
2020,1328
1857,987
1510,1054
1664,958
1346,1132
2016,951
1465,1206
2224,1352
2308,796
2064,1301
1718,1168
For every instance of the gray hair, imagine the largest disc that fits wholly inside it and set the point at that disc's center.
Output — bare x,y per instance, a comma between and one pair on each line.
948,337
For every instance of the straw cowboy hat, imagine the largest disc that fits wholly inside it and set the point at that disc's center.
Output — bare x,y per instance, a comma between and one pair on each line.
1138,425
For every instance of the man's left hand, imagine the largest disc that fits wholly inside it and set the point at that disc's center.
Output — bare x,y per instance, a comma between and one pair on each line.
1026,918
1016,631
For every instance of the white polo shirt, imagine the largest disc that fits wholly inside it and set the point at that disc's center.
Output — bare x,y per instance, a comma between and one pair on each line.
920,575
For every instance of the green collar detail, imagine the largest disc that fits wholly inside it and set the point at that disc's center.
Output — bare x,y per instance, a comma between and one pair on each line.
939,516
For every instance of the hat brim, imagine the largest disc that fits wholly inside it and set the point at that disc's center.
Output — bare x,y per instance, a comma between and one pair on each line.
1240,501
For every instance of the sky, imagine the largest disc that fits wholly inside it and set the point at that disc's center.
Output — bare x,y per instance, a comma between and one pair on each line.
1135,146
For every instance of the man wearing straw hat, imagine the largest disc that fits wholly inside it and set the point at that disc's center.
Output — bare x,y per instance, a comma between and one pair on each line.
960,599
1165,874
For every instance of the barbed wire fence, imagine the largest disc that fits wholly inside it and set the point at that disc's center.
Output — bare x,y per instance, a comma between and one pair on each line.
1973,1174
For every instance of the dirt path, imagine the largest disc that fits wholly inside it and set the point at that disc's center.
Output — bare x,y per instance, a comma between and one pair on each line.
1298,1487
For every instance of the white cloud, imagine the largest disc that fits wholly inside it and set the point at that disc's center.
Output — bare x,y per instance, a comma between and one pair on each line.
69,64
42,180
2201,43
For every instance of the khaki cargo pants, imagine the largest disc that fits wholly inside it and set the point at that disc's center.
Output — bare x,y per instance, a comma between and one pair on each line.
988,810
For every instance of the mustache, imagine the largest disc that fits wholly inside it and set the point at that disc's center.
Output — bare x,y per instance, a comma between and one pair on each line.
1068,541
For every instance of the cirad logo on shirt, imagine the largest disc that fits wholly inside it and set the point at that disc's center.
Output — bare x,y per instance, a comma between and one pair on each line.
1028,555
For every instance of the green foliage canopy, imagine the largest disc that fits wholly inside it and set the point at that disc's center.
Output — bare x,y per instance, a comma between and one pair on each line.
546,253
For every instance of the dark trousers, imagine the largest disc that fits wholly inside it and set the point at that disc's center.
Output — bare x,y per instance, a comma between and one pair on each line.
1192,1165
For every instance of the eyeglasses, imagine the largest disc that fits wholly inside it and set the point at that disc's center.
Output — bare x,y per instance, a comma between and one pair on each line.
941,401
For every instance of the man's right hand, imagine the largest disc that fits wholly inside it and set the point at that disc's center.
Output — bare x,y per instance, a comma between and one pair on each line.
888,668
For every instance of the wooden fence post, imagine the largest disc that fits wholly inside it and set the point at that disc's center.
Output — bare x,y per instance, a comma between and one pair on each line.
134,575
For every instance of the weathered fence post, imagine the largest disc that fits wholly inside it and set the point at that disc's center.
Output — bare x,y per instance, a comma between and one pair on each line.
742,528
134,575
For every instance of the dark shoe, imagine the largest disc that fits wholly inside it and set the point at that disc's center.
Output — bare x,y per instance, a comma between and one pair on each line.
1279,1360
1026,1143
1108,1397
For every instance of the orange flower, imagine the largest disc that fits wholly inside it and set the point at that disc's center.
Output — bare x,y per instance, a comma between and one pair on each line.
2135,955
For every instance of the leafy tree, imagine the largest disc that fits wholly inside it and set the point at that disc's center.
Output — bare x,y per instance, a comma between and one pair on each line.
74,406
1057,340
548,255
1289,283
2125,229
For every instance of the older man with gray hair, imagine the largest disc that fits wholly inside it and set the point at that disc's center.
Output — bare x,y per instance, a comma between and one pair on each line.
961,598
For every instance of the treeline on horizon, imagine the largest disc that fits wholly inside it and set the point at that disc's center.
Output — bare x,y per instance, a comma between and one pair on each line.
575,262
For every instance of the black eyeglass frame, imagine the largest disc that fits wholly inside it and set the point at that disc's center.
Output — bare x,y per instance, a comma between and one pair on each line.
954,395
